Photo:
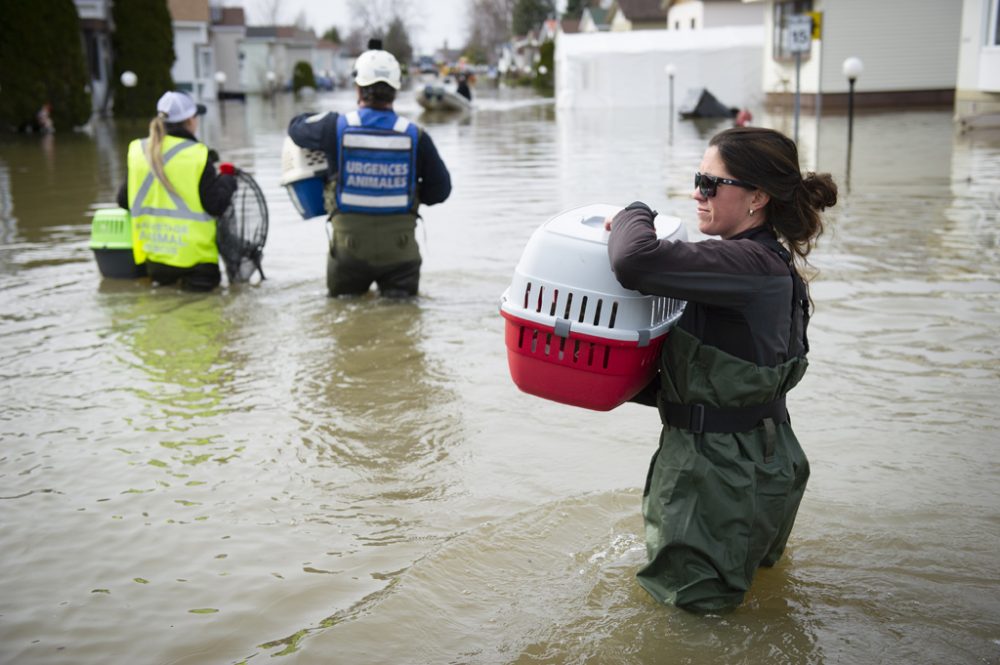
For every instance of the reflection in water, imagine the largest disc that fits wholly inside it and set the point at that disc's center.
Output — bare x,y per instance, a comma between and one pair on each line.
177,339
368,391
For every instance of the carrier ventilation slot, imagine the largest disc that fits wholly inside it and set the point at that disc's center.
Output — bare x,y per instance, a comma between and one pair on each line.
569,301
538,305
583,308
597,313
555,299
527,295
614,314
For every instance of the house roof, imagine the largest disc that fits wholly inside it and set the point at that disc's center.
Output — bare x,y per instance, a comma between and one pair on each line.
189,10
262,31
231,16
571,25
295,32
642,10
597,14
668,4
287,33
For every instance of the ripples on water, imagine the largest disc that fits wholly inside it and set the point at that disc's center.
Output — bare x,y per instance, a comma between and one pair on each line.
267,472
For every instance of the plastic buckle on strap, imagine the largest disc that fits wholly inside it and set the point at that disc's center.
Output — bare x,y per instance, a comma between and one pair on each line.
697,423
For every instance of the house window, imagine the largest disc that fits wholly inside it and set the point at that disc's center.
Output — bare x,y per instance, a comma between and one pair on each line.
994,39
677,25
782,10
93,55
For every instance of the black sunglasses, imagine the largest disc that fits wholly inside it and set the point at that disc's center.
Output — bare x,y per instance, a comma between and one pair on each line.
708,184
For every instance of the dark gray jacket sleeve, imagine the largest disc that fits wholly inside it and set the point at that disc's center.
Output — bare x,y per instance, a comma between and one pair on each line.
724,273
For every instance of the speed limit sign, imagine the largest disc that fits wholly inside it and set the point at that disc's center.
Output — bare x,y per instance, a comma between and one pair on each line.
798,34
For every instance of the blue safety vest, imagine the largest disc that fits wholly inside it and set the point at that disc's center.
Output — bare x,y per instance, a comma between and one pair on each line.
377,163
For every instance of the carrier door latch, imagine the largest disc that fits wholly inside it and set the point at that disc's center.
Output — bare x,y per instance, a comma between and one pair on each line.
561,327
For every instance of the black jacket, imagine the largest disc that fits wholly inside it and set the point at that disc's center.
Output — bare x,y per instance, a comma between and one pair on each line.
215,189
743,295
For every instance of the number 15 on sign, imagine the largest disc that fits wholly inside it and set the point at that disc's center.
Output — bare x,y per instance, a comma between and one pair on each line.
798,34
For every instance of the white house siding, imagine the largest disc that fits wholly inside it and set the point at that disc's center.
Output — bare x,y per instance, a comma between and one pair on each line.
260,55
696,15
779,76
906,45
686,16
978,88
194,67
627,69
723,14
226,46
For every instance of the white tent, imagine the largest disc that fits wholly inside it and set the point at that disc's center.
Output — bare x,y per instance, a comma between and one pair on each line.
628,69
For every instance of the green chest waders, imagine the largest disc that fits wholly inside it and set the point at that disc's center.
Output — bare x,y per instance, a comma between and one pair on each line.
725,484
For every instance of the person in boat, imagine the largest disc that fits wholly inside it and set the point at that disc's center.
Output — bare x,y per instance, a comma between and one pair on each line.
462,85
724,485
384,167
463,78
174,194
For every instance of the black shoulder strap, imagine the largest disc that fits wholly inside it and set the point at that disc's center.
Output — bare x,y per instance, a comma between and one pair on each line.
800,294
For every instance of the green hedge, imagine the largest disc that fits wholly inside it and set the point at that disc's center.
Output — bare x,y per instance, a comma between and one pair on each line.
143,43
302,76
41,61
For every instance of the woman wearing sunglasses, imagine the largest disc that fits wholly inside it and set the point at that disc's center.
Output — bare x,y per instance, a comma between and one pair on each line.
724,486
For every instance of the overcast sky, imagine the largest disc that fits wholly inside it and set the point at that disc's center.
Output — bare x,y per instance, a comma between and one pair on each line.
440,20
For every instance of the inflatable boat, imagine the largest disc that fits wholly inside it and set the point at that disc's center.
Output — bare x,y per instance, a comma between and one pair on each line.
443,96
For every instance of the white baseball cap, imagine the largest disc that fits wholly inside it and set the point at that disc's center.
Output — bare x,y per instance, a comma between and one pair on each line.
178,106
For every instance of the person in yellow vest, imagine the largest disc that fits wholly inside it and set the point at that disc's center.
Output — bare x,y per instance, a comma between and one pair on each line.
174,195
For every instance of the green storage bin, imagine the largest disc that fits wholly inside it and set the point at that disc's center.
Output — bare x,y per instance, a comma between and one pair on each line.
111,240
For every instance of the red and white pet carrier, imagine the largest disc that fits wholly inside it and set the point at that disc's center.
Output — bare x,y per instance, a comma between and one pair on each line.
573,333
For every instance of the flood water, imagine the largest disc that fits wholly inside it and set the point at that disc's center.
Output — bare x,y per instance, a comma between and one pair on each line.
265,474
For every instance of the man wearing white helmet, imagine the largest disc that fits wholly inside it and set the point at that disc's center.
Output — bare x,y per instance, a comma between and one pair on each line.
383,167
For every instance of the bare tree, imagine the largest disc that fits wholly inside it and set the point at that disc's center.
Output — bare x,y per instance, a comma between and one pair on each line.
269,11
489,25
302,21
375,16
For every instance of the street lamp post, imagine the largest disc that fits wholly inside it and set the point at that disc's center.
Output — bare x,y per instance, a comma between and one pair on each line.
271,78
220,79
852,70
671,70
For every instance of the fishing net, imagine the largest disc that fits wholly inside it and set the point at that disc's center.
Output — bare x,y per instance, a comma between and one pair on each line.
242,230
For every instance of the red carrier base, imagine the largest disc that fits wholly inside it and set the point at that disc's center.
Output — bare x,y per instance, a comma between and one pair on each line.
580,370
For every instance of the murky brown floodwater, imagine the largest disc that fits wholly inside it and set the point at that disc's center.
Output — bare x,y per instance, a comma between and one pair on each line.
264,472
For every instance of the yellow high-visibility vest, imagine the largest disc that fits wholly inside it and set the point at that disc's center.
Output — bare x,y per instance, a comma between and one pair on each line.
172,229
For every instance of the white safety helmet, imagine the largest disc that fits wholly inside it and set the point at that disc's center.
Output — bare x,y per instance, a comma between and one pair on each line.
376,65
